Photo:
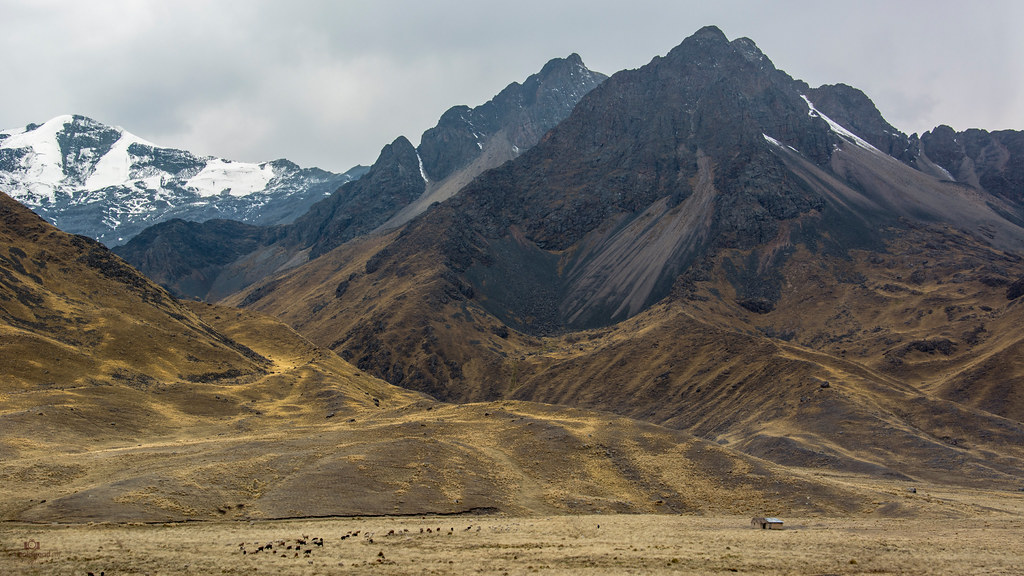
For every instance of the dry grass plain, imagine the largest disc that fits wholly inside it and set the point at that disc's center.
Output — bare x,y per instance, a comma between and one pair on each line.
947,530
595,544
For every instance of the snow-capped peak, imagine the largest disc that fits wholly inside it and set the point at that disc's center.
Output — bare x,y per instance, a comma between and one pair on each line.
42,162
108,183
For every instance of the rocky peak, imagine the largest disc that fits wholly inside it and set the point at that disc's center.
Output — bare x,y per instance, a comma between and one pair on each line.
750,52
710,34
284,165
941,146
556,66
707,47
394,180
397,159
527,110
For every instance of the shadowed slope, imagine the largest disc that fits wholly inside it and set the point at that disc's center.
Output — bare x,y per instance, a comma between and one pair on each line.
188,257
842,375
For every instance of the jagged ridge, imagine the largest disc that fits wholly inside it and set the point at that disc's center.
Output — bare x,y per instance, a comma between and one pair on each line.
402,183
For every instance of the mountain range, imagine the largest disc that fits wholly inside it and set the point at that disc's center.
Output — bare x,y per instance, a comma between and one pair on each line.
709,244
213,260
106,183
699,285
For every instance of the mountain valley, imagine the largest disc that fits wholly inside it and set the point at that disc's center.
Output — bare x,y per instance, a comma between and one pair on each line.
698,287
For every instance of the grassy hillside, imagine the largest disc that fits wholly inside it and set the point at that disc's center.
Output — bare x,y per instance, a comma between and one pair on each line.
897,362
120,403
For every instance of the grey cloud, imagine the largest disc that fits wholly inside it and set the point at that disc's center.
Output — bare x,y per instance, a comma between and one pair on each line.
328,83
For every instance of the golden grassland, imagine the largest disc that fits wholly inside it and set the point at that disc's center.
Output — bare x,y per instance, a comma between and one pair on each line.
313,436
586,544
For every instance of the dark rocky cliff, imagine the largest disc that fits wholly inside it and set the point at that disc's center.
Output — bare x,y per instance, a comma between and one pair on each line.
527,110
991,161
660,169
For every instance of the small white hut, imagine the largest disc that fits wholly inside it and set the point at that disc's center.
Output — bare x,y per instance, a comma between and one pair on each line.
766,523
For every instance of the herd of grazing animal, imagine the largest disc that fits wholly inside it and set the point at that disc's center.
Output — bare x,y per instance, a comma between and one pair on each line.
305,546
285,548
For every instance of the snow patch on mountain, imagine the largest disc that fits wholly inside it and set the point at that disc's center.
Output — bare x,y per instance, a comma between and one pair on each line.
234,178
423,173
838,128
114,167
779,144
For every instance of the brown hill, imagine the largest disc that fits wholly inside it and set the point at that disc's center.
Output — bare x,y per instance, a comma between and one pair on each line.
74,315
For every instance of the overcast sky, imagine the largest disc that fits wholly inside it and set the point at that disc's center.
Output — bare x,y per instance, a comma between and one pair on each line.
328,83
